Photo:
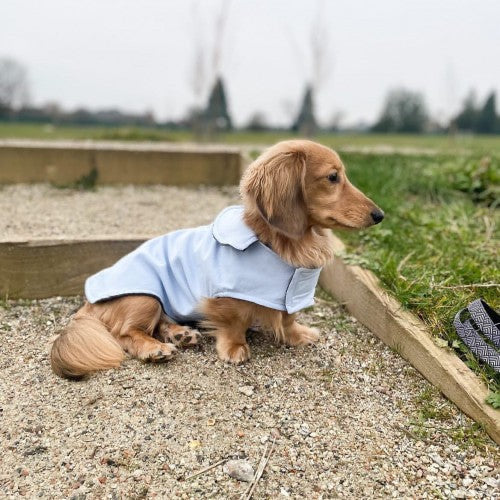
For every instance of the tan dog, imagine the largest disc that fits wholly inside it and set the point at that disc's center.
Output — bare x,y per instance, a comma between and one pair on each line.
293,195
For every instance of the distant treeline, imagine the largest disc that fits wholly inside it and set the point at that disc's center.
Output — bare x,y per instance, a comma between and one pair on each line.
404,111
53,114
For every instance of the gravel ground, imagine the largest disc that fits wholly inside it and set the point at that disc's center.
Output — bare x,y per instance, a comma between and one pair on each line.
350,418
41,211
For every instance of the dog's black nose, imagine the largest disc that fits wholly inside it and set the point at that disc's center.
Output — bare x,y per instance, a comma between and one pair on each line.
377,216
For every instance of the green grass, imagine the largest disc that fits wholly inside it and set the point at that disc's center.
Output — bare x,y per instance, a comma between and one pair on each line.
438,246
50,132
443,143
435,417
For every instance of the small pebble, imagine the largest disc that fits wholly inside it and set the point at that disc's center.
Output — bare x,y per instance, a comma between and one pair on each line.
239,469
494,483
247,390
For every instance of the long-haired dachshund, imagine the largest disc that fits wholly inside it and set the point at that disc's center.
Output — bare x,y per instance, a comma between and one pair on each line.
256,264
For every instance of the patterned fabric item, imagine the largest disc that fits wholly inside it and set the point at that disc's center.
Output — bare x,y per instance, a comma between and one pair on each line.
487,321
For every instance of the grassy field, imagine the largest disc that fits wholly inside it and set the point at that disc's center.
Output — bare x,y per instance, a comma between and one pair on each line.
437,249
436,143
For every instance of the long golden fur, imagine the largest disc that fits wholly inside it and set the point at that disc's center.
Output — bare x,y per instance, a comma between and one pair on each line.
293,195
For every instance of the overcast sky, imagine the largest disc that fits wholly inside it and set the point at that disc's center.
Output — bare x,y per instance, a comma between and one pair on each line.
140,54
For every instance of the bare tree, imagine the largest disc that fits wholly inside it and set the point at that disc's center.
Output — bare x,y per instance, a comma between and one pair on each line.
219,32
13,85
207,57
316,61
321,50
197,75
314,57
205,72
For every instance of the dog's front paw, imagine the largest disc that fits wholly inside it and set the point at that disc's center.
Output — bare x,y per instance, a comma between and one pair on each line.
179,335
234,353
301,335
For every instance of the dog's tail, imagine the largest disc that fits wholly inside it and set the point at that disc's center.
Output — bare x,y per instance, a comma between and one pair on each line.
84,346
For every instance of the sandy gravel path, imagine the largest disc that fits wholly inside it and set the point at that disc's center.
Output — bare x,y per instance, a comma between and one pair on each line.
40,210
351,419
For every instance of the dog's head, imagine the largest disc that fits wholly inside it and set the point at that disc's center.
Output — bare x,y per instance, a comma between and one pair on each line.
298,184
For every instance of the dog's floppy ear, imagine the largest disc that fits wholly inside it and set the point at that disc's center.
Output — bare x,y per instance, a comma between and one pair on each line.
275,182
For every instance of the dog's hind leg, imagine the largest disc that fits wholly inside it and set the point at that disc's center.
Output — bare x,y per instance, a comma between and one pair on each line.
132,320
179,335
141,345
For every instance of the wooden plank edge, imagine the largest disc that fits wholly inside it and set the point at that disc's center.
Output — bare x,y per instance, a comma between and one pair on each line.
382,314
68,240
42,268
136,146
66,163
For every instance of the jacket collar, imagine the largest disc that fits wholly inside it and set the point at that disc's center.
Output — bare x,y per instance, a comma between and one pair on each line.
229,228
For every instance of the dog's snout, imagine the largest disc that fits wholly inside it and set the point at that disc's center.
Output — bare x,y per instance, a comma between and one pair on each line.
377,216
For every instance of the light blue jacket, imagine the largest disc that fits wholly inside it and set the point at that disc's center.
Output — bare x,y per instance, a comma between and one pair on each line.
224,259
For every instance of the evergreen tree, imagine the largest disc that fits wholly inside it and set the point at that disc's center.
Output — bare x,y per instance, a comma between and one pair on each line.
216,116
487,117
306,122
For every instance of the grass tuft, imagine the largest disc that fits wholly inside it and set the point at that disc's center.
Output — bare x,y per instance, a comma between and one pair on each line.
436,417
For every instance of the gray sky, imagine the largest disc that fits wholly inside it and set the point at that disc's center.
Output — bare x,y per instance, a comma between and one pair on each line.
139,55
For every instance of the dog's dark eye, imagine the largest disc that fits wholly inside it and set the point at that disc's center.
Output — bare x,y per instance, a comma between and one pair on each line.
333,177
